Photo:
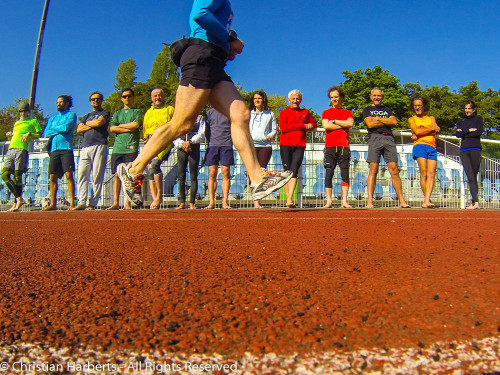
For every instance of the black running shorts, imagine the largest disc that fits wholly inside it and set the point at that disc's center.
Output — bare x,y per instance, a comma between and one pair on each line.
202,65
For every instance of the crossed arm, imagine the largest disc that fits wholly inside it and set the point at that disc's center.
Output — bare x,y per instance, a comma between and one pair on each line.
83,127
339,124
377,122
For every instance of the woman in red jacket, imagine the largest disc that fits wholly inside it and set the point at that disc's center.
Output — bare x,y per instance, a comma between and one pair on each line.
294,123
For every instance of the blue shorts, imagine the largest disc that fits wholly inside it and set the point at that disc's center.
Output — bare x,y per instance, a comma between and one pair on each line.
219,155
424,151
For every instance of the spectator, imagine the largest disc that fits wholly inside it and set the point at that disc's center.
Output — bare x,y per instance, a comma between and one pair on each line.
424,129
469,129
94,152
60,130
188,151
294,124
337,122
262,129
219,151
380,121
16,160
126,124
157,115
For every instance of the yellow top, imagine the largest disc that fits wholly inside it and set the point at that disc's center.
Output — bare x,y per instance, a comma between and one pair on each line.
424,122
154,118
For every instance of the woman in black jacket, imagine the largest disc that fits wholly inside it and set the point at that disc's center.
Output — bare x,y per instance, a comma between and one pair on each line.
469,129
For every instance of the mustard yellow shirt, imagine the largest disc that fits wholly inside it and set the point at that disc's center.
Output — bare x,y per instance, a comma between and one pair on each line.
154,118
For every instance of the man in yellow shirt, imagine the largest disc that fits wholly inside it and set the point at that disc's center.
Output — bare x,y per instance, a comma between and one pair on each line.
157,115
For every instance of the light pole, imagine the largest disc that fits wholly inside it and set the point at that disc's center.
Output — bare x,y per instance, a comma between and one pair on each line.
37,55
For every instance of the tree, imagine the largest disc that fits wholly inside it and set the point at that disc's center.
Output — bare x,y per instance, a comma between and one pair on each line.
164,74
488,105
357,88
10,114
445,105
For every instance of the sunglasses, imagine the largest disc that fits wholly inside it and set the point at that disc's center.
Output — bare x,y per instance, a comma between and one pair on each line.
127,96
95,99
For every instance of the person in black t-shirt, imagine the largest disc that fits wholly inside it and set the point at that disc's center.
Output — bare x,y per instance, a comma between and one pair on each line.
380,120
94,152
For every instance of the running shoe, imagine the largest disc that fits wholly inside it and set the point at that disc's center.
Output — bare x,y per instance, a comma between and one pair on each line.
270,182
131,185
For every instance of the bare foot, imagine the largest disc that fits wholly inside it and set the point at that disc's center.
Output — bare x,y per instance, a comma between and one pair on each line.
127,207
226,207
13,208
291,205
257,205
428,205
192,206
346,205
474,206
80,207
370,205
328,205
90,208
209,207
404,205
50,208
181,206
113,207
154,206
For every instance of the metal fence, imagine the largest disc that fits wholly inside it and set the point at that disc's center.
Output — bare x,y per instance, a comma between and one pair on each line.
450,191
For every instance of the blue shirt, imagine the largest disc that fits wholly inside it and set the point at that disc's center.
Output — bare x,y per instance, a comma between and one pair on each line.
60,128
210,20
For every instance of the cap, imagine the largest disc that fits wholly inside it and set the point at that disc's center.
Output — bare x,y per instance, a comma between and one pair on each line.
24,106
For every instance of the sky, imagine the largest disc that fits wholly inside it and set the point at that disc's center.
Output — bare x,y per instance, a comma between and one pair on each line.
291,44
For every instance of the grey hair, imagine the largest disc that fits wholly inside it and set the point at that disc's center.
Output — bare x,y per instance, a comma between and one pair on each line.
377,88
294,92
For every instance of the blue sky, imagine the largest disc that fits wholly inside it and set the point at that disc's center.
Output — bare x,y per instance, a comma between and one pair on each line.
289,44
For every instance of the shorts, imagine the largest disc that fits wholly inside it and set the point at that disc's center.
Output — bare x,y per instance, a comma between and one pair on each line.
121,158
61,162
16,160
339,155
382,145
291,157
219,155
425,152
202,65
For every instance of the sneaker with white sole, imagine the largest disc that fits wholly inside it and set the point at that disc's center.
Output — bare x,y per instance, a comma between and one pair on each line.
270,182
131,185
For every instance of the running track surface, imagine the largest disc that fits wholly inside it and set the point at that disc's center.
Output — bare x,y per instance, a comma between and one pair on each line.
254,281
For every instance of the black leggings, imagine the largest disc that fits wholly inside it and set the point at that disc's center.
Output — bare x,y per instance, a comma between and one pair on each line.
193,158
15,185
471,160
333,156
291,157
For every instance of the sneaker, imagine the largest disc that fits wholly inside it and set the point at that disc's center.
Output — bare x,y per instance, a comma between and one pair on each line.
271,181
131,185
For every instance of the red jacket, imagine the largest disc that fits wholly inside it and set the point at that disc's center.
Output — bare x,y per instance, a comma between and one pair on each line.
292,126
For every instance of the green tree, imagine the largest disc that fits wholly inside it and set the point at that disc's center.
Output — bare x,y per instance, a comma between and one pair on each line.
10,114
358,85
164,74
445,105
488,105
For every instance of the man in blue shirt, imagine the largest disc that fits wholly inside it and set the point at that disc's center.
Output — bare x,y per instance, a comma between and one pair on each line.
60,130
211,45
